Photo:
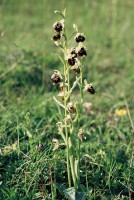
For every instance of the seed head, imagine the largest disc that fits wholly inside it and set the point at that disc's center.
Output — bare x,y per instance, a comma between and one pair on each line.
56,77
79,37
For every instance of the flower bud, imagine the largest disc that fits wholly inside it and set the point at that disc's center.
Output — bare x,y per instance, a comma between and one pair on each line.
56,144
60,127
61,94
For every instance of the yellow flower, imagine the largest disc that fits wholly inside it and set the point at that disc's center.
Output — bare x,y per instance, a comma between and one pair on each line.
120,112
101,153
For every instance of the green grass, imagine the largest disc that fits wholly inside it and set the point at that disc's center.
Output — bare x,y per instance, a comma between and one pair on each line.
28,113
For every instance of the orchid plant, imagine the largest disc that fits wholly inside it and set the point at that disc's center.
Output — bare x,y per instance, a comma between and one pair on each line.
71,107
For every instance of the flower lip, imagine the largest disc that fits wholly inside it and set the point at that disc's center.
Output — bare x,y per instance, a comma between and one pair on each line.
89,87
76,67
56,77
81,50
58,26
56,37
79,37
73,52
70,59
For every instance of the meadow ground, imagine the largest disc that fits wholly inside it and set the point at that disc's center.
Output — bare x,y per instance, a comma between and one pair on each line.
28,113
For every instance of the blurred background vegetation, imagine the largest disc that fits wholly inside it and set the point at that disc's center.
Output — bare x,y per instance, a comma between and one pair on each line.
27,60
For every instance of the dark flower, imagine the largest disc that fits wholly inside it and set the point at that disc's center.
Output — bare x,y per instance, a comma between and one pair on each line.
79,37
71,61
58,26
91,89
56,77
73,52
82,52
76,69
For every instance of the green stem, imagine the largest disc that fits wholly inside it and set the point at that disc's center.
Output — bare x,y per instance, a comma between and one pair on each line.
66,132
81,84
79,141
68,83
79,144
72,163
65,104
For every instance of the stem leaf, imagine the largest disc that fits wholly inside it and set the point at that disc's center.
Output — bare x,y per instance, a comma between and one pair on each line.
76,168
61,60
64,12
58,102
